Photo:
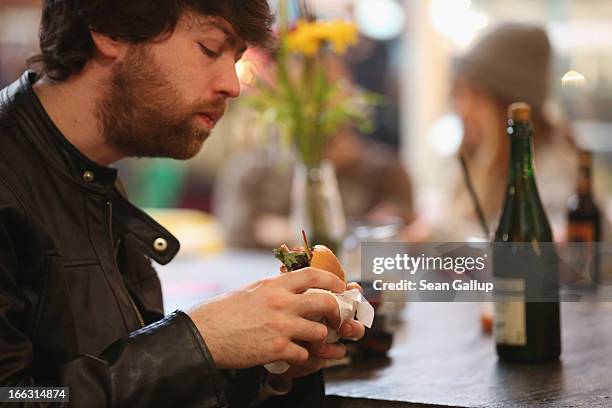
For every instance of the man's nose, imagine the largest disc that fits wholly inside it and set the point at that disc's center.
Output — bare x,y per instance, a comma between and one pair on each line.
228,83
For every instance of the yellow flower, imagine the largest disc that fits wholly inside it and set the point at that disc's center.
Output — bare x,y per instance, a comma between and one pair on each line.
308,37
341,35
304,38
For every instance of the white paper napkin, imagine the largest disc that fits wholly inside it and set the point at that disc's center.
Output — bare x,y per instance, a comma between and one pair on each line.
352,305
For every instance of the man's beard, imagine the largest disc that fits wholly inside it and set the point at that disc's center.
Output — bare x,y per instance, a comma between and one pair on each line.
141,114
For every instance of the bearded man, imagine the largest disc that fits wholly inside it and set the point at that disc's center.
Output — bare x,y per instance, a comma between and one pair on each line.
80,303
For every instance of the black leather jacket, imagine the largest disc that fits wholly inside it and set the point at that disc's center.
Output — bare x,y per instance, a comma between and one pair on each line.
80,303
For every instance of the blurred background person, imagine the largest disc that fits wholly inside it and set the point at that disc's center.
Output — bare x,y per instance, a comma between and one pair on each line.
252,196
511,62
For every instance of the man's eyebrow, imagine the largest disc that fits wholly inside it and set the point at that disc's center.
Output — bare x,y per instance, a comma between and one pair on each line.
230,37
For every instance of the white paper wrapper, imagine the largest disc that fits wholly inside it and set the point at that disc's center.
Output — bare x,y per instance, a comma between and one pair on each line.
352,304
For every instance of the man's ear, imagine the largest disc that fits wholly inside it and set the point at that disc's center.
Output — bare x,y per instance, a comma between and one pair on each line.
107,46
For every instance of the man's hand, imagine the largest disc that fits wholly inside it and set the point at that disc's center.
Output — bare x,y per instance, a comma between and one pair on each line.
264,321
320,353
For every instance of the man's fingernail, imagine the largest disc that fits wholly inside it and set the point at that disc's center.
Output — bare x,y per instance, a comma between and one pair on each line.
346,330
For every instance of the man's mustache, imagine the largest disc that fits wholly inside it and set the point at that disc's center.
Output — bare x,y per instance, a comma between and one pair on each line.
218,107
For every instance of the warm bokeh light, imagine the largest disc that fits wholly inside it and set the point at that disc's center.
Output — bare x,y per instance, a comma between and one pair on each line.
445,135
573,80
245,70
456,20
381,19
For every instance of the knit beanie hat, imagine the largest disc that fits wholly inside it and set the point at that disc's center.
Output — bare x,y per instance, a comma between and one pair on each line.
512,61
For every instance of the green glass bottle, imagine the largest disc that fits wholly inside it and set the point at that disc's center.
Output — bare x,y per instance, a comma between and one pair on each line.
527,316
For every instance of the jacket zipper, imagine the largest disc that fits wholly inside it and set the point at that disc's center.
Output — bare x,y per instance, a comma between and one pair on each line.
110,236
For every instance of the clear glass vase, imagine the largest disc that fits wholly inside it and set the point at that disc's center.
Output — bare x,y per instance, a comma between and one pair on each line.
316,205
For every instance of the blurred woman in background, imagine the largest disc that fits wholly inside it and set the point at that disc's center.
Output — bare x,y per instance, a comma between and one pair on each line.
510,63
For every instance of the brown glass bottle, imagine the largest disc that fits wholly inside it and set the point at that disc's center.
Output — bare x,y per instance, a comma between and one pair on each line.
527,315
584,226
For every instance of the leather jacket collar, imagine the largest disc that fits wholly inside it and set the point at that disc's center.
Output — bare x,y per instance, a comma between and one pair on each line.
47,138
74,167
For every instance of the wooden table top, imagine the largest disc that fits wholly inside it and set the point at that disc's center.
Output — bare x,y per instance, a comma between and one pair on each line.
440,357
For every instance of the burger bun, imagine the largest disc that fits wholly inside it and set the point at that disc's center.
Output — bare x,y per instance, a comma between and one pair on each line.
323,258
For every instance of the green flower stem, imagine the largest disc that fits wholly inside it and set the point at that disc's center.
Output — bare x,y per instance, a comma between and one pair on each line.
320,139
292,98
309,90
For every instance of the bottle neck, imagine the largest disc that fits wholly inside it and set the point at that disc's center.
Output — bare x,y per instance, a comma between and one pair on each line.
584,182
521,157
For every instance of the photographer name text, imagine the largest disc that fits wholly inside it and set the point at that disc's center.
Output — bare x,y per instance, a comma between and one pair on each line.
424,285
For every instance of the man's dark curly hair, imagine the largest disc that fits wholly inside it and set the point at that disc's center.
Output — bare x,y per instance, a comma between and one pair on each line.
66,43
